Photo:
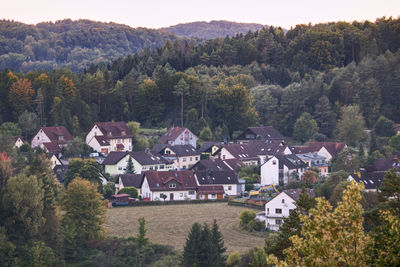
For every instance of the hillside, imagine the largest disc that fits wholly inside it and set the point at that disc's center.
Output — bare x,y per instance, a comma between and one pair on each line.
212,29
71,44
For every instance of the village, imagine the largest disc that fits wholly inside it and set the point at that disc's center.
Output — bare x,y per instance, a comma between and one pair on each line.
178,168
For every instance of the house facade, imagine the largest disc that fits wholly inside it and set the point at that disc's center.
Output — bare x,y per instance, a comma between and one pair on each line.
182,156
329,150
106,137
179,136
51,139
227,179
129,180
210,192
173,185
314,160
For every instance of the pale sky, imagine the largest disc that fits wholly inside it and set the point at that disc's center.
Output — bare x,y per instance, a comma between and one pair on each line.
162,13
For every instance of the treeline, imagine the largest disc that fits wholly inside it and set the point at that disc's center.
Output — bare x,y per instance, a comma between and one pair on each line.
225,85
71,44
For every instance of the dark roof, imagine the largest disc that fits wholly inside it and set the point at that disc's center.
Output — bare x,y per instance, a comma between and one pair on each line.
147,158
52,147
291,161
261,133
130,180
235,164
210,189
184,150
382,165
114,157
102,140
255,148
371,180
159,181
171,134
115,129
216,177
54,132
211,164
157,148
206,146
334,148
295,193
240,151
60,171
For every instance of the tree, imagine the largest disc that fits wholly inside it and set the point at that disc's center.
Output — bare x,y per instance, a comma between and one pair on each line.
246,216
10,129
20,96
130,169
305,127
217,257
6,170
309,177
132,191
181,89
351,125
384,127
85,169
206,134
191,251
327,234
141,238
29,123
325,116
259,258
389,192
347,160
84,216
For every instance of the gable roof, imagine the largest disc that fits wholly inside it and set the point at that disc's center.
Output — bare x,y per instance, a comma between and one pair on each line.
52,147
208,145
255,148
291,161
114,157
171,134
334,148
184,150
147,158
211,164
102,140
130,180
157,148
210,189
158,181
54,132
216,177
261,133
114,129
371,180
295,193
234,164
383,165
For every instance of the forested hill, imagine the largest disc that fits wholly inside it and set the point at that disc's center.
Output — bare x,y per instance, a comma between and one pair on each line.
71,44
212,29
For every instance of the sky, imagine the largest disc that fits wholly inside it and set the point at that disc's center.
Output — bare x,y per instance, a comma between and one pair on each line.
163,13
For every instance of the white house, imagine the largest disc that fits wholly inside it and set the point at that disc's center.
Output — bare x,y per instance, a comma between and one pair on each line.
182,156
227,179
110,136
51,139
278,169
371,180
179,136
174,185
280,207
328,150
129,180
17,141
117,162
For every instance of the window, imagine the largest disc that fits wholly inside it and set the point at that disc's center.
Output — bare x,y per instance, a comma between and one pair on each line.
184,159
278,221
267,211
230,187
190,158
172,185
196,158
118,140
151,167
120,168
213,196
38,138
161,167
278,211
274,162
283,200
191,192
223,156
181,194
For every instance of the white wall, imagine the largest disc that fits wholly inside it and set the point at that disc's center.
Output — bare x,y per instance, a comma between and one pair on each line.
281,201
39,139
225,154
178,195
270,172
96,146
232,191
323,152
192,142
118,168
95,131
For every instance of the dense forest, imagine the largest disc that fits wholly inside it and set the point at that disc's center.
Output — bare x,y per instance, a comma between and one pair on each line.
212,29
71,44
226,84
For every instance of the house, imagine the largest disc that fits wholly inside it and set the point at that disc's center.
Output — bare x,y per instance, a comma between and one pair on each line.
17,141
328,150
116,162
207,149
313,160
371,180
210,192
51,139
278,169
110,136
382,165
280,207
396,127
262,133
254,152
183,156
179,136
173,185
128,180
227,179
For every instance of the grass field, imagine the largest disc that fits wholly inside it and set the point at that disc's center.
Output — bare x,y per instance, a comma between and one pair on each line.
170,224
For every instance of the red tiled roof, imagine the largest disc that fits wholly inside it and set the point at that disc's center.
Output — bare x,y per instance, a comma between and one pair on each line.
114,129
210,189
159,181
171,134
52,147
54,132
102,140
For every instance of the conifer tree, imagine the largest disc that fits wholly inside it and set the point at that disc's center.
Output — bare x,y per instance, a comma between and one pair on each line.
141,238
217,246
191,249
130,169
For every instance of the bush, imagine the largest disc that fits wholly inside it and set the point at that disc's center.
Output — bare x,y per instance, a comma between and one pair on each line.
247,216
132,191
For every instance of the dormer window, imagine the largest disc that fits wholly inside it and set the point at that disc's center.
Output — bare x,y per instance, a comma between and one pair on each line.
109,134
172,185
123,133
61,137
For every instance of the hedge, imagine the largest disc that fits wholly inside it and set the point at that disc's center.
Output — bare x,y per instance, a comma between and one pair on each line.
175,202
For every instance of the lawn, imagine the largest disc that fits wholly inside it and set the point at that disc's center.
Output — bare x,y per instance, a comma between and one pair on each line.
170,224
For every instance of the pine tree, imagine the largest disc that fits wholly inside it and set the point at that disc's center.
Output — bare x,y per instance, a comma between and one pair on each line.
191,249
141,238
130,169
217,246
